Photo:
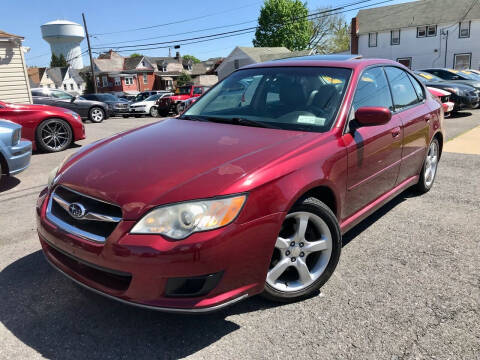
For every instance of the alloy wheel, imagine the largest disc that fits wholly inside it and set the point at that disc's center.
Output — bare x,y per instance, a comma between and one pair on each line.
431,163
55,135
96,115
302,252
153,111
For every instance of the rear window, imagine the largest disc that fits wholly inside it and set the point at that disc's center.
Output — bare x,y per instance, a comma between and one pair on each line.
300,98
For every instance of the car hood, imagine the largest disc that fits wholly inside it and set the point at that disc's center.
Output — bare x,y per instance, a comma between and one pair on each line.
175,160
38,107
474,83
449,84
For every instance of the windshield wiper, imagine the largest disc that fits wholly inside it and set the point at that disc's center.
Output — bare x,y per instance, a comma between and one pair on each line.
249,122
193,118
235,121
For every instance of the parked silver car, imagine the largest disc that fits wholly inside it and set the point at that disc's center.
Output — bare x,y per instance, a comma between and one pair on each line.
15,153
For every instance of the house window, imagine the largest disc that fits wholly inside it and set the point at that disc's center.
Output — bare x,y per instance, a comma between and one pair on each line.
464,29
395,37
98,81
64,86
145,78
71,86
431,30
421,31
462,61
117,81
407,62
105,81
236,64
129,81
164,67
372,39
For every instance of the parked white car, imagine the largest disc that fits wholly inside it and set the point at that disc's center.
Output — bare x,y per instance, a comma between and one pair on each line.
147,106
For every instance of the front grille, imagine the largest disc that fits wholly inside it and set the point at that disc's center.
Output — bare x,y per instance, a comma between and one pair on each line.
97,222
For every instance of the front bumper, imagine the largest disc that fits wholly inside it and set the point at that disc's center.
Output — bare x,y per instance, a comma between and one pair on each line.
138,269
138,110
19,158
466,101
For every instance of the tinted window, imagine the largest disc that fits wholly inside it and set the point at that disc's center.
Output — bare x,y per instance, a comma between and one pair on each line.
37,93
418,88
60,94
372,90
403,93
197,90
289,98
446,75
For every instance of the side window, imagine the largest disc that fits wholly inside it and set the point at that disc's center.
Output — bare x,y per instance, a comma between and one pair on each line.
197,90
372,90
403,92
418,88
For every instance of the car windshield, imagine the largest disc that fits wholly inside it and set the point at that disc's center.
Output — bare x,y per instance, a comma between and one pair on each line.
292,98
153,97
184,90
60,94
426,77
470,75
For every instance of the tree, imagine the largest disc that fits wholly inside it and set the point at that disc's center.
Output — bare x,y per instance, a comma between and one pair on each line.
331,33
283,23
89,88
184,79
136,55
58,61
192,58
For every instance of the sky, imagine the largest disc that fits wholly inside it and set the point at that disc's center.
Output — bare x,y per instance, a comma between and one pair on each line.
166,21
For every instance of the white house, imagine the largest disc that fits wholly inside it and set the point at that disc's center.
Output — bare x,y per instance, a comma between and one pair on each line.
63,78
14,84
420,34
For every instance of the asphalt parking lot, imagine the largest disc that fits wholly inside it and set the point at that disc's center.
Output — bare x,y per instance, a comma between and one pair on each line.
407,286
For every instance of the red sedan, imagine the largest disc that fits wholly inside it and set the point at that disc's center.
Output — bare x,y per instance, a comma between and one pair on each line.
49,128
242,195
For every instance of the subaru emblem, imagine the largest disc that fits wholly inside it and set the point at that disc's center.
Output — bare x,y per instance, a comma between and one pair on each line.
77,210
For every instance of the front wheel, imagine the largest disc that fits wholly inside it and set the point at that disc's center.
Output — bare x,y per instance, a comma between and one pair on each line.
429,169
54,135
96,115
153,111
306,252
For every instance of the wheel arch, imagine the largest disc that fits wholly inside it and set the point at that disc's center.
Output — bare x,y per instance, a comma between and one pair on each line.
439,137
4,163
324,193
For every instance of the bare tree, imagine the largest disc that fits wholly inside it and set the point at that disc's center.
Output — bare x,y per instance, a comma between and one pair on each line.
330,33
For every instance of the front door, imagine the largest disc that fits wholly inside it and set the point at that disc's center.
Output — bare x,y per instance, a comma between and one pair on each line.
374,152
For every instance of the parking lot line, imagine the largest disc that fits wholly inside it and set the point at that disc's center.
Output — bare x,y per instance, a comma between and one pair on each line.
468,143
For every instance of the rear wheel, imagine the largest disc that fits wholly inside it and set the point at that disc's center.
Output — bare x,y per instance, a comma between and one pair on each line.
54,135
429,169
96,114
179,108
306,252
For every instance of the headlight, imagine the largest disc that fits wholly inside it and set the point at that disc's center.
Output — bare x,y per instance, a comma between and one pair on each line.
181,220
16,136
73,113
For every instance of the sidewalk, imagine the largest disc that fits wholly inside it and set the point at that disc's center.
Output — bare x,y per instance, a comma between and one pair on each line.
468,143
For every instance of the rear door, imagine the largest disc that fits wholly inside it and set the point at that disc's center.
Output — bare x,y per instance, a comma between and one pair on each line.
409,98
374,152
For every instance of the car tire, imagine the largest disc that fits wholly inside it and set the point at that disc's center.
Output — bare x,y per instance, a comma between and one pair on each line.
53,135
306,252
163,113
125,116
153,111
96,114
429,168
179,108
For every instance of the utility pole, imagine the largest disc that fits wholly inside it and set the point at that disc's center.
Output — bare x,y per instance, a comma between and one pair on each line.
90,54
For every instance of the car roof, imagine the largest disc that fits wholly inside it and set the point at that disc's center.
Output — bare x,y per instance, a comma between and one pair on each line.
340,61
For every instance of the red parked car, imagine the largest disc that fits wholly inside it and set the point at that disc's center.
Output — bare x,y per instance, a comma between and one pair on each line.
49,128
444,97
173,103
237,198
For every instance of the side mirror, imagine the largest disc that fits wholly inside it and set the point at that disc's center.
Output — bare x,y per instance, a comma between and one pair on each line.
73,99
373,115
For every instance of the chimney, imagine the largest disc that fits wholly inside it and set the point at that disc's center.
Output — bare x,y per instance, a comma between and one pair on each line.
177,55
354,36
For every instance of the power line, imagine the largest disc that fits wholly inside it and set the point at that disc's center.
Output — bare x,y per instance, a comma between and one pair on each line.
211,37
178,21
342,7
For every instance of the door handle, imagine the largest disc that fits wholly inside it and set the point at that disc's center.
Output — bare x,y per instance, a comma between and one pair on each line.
396,132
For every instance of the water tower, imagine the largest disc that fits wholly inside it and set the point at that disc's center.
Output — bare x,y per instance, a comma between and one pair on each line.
64,38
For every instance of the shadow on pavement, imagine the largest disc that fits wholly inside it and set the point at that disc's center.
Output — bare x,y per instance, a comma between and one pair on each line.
8,182
460,114
61,320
